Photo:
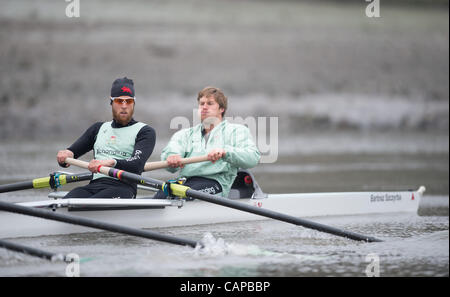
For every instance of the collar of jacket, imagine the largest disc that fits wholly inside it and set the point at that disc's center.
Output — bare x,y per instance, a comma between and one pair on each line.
115,124
202,129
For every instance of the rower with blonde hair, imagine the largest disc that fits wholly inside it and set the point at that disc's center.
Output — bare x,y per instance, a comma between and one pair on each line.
228,147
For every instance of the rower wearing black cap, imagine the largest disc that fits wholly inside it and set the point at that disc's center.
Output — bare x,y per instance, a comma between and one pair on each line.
122,143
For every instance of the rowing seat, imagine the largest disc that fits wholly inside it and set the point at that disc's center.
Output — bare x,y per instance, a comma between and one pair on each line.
245,186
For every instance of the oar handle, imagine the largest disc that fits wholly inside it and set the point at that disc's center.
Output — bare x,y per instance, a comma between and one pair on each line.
83,164
164,164
76,162
148,166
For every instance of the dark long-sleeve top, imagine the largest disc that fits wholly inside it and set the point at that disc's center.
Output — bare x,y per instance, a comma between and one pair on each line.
143,148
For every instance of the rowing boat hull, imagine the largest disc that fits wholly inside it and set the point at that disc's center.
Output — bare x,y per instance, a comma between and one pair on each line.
198,212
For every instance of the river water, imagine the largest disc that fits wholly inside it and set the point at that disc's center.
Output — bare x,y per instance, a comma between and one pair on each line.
413,244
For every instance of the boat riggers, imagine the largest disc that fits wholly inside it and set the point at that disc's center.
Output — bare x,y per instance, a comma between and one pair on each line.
184,191
53,181
56,180
172,188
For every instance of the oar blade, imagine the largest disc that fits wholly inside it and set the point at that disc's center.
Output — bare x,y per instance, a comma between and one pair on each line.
31,251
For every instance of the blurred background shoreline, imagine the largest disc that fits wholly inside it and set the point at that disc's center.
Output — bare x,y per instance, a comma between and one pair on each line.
318,65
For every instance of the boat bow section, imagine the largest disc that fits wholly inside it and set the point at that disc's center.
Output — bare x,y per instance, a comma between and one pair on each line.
345,203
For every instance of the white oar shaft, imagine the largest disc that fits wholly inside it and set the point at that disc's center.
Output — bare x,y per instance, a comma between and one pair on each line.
164,164
148,166
84,164
76,162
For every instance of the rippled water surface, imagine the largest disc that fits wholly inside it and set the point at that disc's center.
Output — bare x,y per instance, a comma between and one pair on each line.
413,246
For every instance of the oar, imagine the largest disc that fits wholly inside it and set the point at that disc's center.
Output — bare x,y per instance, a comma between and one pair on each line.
184,191
46,182
164,164
33,251
50,215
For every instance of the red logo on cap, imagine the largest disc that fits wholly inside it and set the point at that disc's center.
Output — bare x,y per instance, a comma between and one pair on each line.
126,89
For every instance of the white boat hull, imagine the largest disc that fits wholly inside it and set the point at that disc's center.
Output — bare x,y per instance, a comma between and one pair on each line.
198,212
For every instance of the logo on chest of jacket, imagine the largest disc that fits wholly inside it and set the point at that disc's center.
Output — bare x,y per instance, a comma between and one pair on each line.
112,139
